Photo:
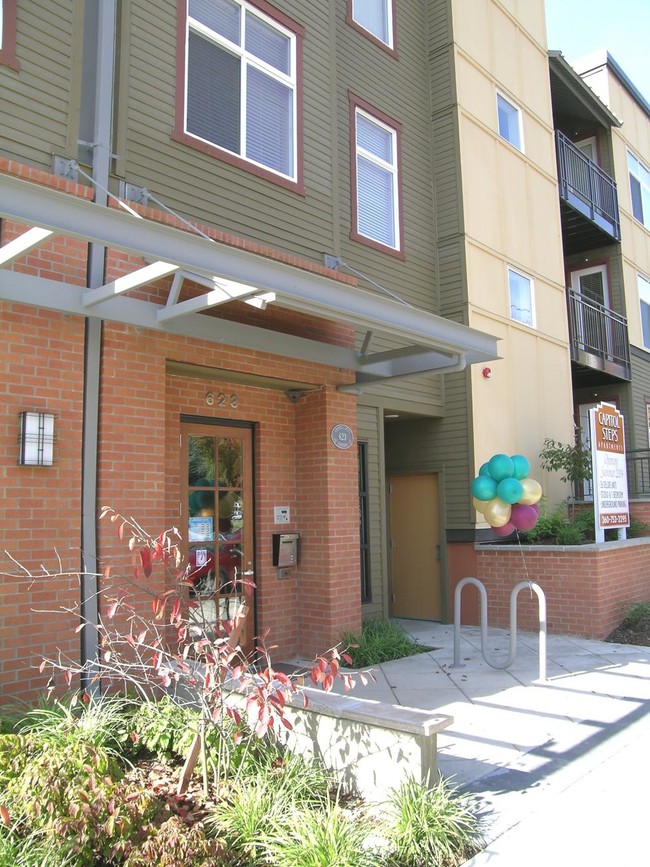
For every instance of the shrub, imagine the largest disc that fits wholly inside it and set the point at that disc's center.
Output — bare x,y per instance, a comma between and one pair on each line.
431,825
16,851
174,843
379,641
71,792
164,728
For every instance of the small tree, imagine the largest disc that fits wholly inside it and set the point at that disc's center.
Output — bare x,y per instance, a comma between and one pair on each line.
573,461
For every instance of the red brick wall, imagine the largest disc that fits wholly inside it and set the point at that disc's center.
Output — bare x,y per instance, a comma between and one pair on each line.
41,368
588,588
41,362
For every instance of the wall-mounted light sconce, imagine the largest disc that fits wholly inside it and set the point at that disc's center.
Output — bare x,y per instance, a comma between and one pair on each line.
36,440
487,372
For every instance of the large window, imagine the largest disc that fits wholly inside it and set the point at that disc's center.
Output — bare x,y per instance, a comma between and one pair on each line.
241,84
644,301
639,189
509,121
375,17
8,34
521,298
376,217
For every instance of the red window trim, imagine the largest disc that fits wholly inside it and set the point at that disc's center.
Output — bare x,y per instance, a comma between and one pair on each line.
356,102
392,50
8,48
179,133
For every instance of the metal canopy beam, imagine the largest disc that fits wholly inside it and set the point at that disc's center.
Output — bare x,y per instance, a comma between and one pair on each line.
22,244
295,288
129,281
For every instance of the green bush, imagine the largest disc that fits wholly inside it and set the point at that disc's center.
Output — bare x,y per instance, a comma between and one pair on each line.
637,616
379,641
17,851
431,825
164,728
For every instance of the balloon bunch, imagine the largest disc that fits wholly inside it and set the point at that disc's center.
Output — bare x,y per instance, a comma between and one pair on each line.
505,496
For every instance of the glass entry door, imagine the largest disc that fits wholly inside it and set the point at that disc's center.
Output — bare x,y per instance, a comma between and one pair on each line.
217,515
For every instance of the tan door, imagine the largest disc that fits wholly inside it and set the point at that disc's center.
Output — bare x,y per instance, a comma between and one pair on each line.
217,517
415,546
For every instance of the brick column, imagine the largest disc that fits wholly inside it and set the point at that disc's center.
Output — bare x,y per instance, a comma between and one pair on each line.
329,595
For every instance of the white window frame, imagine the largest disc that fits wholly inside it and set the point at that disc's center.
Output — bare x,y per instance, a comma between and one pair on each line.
519,145
643,285
531,286
391,168
249,60
388,11
635,165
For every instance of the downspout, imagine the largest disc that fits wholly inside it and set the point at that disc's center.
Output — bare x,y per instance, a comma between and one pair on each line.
104,51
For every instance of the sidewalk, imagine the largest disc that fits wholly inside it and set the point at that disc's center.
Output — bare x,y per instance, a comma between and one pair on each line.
559,768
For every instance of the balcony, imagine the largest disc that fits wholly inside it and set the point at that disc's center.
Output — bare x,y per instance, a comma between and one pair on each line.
638,473
598,339
589,200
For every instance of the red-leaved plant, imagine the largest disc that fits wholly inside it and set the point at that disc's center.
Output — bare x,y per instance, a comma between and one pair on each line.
170,649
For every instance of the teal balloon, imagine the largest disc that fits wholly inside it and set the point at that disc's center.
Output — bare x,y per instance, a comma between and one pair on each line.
484,471
501,467
484,488
522,467
510,490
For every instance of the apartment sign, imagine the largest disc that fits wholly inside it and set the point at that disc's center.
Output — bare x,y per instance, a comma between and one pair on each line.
610,471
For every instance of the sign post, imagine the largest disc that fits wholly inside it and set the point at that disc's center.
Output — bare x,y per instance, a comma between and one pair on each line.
611,505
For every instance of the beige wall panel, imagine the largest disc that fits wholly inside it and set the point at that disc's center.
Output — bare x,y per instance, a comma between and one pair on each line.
527,399
506,63
482,183
531,16
476,91
469,31
543,220
487,283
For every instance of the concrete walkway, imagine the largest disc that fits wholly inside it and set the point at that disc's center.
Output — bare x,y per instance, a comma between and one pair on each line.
560,768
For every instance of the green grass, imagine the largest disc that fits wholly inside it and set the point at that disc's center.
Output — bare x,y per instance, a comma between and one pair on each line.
638,615
431,826
379,641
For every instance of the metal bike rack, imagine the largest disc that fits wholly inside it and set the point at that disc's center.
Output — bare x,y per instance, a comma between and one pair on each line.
513,624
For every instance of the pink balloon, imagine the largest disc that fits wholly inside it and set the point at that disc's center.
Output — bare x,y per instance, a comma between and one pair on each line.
524,517
506,530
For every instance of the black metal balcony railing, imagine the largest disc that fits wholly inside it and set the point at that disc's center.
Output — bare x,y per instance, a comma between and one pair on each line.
638,473
587,188
598,336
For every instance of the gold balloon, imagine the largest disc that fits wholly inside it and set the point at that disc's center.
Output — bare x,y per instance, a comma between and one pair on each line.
532,492
497,513
479,505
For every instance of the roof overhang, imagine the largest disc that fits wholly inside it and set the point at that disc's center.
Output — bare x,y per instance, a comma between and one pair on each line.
426,343
572,97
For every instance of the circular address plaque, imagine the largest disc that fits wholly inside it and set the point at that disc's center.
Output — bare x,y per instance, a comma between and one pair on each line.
342,436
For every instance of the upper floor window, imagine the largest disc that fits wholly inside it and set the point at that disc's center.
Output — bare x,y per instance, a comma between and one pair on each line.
8,34
521,298
644,302
375,17
241,84
639,189
510,124
376,180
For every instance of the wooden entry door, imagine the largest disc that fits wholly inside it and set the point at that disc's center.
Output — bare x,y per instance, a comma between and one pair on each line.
217,520
415,546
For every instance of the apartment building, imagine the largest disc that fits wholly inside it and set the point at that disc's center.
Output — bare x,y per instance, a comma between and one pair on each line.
283,275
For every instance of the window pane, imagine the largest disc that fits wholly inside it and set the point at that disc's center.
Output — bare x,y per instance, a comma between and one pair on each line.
269,122
201,462
375,202
373,16
508,122
213,85
637,201
222,16
230,462
267,43
645,324
374,139
521,308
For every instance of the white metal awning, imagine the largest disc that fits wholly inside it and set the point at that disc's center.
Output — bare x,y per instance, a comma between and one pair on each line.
427,343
